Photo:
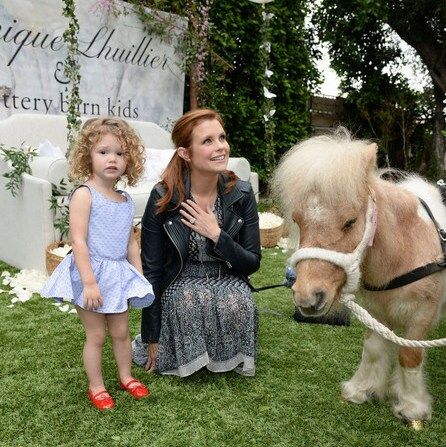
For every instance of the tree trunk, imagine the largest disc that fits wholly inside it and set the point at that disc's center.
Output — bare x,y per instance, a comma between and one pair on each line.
193,89
439,139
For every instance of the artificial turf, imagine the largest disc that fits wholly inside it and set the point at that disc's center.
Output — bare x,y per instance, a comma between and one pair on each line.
294,399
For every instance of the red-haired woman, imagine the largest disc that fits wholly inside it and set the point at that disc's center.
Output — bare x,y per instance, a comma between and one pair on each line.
200,241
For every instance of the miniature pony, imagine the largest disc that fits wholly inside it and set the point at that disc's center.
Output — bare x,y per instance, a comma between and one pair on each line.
326,185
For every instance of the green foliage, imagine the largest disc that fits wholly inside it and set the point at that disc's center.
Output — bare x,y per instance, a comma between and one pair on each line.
235,74
72,71
59,205
20,159
236,89
380,104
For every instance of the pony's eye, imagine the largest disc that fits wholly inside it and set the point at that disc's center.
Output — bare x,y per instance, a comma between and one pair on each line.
348,224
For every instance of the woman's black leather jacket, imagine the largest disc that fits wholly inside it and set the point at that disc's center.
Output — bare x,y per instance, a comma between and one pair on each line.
165,241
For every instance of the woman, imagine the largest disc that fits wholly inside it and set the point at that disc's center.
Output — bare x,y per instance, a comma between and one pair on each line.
200,241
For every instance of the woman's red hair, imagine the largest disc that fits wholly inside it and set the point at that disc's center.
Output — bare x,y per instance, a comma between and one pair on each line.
173,176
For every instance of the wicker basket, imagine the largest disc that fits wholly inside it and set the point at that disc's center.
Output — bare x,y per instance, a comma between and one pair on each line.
52,260
269,237
137,235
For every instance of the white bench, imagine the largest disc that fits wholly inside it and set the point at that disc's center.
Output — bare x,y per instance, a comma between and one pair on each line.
26,221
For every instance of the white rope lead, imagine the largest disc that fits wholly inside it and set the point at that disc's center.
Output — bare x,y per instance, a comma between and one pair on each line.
364,317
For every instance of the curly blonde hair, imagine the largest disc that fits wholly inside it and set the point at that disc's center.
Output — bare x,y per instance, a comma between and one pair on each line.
92,131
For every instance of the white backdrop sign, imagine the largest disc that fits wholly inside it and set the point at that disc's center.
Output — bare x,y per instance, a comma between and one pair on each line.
125,72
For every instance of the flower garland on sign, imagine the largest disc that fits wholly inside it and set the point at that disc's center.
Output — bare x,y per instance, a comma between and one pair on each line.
194,46
203,23
72,72
108,7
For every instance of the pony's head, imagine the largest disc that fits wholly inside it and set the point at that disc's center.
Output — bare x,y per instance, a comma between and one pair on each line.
323,185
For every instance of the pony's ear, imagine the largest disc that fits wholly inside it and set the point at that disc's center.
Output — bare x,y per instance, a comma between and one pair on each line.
370,156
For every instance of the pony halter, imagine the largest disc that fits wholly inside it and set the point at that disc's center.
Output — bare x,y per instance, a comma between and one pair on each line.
350,262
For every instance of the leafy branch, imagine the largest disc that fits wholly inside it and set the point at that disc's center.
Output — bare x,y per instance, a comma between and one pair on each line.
60,207
72,71
20,159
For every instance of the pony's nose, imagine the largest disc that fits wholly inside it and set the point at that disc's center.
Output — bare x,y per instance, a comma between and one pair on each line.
319,303
313,302
316,301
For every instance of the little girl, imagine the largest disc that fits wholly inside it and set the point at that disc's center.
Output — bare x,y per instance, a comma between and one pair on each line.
104,272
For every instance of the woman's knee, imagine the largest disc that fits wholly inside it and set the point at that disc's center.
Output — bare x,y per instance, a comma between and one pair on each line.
240,304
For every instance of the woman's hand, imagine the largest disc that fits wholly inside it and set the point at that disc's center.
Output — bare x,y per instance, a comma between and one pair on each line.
203,222
152,353
92,296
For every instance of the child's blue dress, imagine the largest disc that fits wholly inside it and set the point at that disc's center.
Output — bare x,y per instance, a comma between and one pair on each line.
109,230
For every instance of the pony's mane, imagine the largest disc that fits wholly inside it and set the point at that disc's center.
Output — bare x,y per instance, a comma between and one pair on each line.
330,166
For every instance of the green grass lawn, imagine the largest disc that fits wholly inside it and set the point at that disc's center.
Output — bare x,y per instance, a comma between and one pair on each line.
292,401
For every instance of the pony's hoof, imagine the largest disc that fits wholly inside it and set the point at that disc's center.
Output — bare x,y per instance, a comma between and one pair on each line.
351,393
410,414
416,425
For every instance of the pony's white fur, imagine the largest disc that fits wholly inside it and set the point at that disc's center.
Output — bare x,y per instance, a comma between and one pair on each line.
322,184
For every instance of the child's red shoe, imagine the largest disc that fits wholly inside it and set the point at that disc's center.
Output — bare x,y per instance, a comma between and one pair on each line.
101,400
138,390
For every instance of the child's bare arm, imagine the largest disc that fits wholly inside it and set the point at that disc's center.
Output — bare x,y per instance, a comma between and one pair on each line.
133,255
80,206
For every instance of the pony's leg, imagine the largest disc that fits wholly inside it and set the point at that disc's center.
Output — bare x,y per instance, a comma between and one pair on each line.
410,398
370,381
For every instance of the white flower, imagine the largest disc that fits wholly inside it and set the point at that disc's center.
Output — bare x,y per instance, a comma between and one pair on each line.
266,46
269,220
268,73
268,94
267,15
61,251
272,112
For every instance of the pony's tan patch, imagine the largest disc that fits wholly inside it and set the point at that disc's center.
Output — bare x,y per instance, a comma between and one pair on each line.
410,357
